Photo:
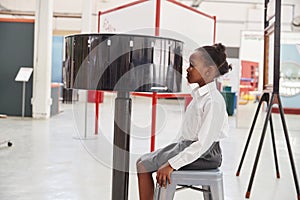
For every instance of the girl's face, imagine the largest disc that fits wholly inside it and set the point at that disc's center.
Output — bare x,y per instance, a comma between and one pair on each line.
197,71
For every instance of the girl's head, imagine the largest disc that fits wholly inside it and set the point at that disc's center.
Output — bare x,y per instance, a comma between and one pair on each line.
207,63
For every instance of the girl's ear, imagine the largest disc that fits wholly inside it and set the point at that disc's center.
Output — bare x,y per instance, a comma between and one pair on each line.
212,72
207,74
209,71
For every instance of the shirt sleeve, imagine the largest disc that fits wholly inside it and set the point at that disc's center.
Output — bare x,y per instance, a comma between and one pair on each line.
211,125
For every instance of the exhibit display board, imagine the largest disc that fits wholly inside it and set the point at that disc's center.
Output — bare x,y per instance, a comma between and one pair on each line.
289,84
57,59
16,39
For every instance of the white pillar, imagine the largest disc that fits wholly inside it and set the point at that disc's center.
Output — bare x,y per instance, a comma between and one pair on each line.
86,18
41,98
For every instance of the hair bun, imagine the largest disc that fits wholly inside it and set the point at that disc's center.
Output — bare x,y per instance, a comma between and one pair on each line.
220,47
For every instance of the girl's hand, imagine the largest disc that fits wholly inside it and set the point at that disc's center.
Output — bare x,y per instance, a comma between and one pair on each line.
163,174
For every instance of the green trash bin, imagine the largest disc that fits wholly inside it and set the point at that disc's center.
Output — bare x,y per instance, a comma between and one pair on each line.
230,101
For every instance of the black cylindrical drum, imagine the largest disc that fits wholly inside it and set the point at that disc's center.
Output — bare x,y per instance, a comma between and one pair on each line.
123,62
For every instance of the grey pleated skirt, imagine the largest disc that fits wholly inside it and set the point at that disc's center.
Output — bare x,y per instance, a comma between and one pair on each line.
211,159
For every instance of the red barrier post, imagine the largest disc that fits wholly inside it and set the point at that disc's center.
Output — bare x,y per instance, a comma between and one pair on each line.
97,112
153,124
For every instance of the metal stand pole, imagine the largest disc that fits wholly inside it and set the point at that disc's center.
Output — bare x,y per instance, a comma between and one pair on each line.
23,99
259,147
85,134
85,114
289,148
265,97
121,146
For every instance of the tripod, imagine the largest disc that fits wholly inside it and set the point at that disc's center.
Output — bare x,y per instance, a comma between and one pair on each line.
275,99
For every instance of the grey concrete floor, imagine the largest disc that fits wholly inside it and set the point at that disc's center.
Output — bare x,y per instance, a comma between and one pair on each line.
56,158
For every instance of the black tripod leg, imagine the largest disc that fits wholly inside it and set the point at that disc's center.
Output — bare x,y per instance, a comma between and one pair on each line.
260,147
274,148
265,97
289,147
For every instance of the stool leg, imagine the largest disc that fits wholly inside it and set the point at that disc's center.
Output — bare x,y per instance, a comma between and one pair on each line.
207,195
156,192
216,190
165,193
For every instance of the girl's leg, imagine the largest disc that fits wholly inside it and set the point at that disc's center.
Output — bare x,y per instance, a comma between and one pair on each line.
152,161
146,184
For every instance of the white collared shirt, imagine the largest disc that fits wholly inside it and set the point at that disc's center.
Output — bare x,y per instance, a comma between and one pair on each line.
205,122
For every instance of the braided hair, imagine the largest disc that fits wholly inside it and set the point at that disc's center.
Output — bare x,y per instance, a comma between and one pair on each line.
215,55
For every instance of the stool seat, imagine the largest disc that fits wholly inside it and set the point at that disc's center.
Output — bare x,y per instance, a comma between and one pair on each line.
210,180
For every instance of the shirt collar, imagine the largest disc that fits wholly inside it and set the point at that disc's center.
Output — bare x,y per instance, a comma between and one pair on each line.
201,91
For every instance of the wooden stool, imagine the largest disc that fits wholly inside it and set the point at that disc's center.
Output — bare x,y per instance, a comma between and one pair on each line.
210,180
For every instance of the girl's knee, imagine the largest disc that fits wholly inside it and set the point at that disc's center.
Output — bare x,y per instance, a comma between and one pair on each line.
140,167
